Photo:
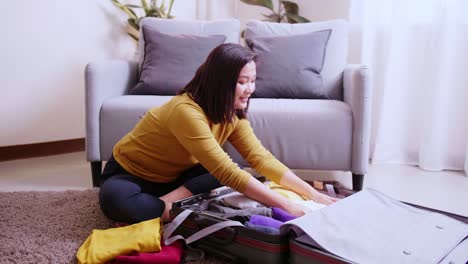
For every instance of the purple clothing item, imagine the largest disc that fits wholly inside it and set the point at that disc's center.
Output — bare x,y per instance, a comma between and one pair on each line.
170,254
281,215
263,229
265,221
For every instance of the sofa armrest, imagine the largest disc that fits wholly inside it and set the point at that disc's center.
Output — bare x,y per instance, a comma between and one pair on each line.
104,80
357,93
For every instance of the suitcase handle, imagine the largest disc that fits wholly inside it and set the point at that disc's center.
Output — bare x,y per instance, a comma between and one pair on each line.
171,227
204,221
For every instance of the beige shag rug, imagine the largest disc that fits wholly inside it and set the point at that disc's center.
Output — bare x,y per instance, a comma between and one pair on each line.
49,227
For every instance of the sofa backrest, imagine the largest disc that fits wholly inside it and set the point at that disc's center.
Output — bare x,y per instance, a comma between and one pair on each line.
228,27
336,52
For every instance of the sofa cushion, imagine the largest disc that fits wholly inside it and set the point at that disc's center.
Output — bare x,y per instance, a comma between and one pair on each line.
336,52
303,134
290,66
170,61
323,129
227,27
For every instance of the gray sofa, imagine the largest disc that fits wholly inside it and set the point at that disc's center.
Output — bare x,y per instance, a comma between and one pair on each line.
314,134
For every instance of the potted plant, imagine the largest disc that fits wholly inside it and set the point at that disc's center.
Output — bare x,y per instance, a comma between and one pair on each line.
151,9
287,11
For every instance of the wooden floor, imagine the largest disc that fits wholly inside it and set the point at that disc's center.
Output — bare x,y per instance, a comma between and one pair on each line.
446,190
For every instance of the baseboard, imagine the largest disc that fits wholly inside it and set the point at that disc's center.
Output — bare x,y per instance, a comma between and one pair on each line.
41,149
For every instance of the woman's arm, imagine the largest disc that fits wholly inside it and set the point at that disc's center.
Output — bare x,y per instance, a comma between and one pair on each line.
259,192
293,182
262,161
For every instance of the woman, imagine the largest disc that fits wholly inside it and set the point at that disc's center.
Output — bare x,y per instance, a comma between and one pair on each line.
175,151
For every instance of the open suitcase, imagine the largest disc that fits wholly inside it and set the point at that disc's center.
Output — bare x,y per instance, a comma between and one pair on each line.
243,245
231,244
301,253
239,244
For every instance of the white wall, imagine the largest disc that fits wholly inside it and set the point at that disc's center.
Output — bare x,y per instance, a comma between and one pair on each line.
216,9
318,10
46,45
44,48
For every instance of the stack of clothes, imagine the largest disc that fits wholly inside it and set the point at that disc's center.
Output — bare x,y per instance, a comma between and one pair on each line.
254,215
142,242
137,243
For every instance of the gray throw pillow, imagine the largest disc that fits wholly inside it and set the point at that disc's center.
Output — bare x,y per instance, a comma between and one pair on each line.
170,61
289,66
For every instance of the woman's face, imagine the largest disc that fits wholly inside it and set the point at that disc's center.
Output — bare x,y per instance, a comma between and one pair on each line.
245,85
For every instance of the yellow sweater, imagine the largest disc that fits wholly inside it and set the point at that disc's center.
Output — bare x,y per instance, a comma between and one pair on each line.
177,135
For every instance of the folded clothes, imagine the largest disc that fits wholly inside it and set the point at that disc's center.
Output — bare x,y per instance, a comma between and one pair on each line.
291,195
239,200
228,212
263,229
171,254
104,245
264,221
281,215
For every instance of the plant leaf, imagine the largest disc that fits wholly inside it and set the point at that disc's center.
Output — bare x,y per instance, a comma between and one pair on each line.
265,3
159,13
137,22
134,24
145,6
134,16
272,18
292,18
170,9
133,37
133,6
290,7
127,10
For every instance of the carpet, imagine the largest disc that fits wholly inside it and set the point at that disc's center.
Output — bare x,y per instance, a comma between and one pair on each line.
49,227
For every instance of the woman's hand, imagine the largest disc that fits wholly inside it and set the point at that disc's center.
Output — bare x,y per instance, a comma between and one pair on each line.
297,209
292,182
323,198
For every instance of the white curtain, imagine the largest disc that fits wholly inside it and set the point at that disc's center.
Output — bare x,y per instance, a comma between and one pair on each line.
216,9
418,52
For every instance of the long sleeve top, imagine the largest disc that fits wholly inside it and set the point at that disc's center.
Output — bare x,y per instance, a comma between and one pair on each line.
178,135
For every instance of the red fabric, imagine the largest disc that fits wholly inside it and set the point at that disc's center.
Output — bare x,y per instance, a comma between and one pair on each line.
171,254
120,224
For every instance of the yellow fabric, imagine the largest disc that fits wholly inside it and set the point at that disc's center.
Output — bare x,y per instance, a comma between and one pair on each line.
286,192
104,245
177,135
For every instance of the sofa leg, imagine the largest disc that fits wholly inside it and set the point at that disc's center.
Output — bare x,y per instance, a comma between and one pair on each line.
358,180
96,170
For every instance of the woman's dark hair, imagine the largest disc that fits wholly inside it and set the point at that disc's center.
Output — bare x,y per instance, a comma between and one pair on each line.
214,85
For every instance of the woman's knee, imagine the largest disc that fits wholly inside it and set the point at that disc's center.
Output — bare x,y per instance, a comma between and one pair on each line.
202,183
123,200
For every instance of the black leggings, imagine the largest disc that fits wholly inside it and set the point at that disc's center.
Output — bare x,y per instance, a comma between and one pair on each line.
131,199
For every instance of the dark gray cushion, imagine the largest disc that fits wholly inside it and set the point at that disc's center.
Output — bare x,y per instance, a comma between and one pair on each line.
170,61
290,66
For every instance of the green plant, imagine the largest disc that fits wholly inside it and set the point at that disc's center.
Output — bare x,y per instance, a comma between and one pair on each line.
287,11
151,10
